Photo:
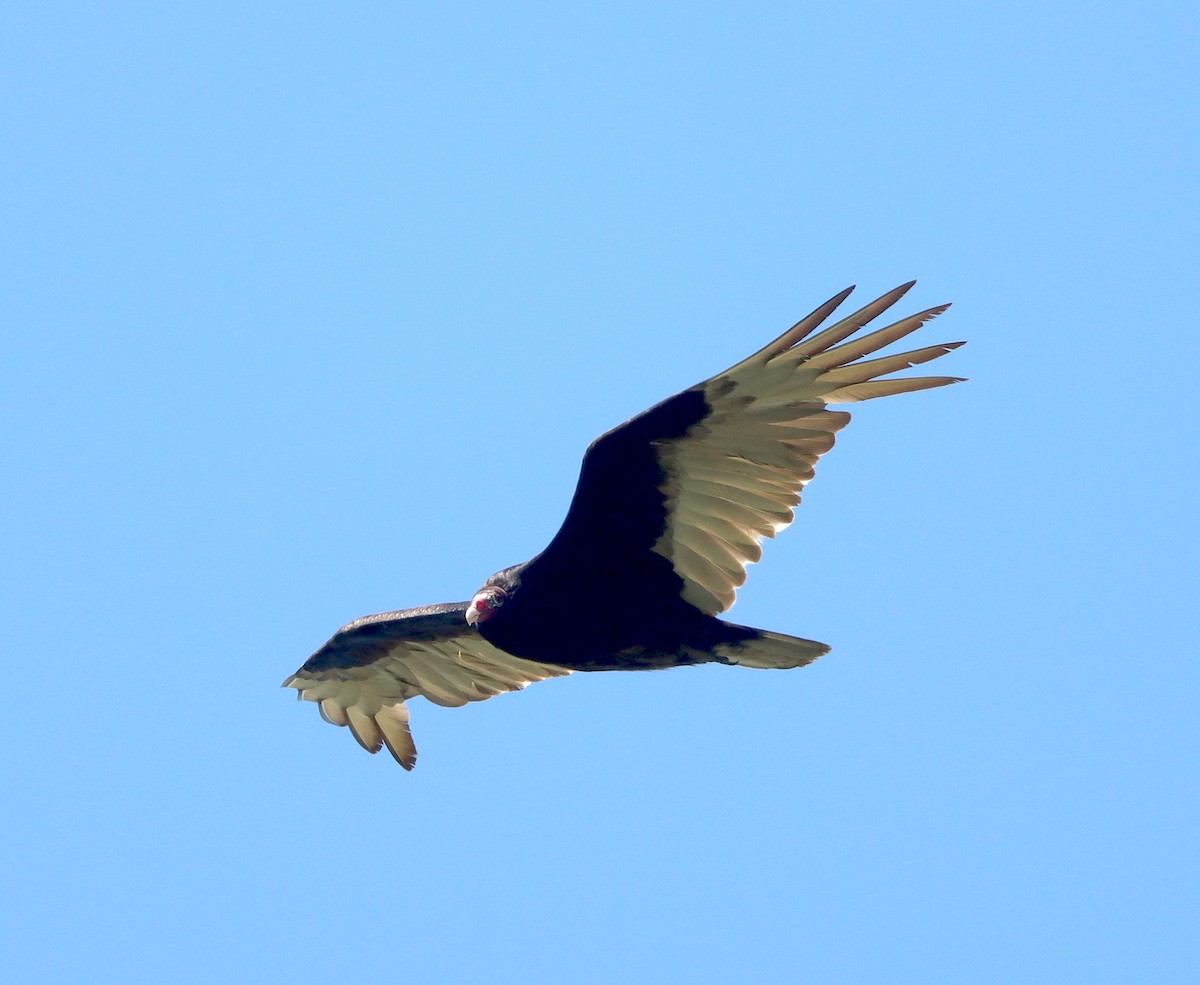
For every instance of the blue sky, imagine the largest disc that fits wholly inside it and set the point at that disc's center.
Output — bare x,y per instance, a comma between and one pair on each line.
311,313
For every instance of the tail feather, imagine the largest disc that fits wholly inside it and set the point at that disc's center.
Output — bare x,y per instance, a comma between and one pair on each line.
764,650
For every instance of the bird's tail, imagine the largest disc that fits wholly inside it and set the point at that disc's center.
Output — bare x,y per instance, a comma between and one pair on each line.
764,650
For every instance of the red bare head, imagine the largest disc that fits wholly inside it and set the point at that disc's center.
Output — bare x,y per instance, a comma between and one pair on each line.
485,603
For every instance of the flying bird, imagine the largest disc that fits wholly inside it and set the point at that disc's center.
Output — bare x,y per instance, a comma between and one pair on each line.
670,508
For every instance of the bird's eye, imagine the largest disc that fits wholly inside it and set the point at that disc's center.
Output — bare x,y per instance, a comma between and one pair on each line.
496,598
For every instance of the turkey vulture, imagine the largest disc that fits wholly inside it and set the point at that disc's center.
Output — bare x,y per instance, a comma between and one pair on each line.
669,510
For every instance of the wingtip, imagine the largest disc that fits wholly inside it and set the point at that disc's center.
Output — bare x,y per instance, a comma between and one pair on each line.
834,302
950,347
404,754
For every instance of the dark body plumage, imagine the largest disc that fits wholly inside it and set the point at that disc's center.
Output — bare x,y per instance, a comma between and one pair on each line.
669,510
598,583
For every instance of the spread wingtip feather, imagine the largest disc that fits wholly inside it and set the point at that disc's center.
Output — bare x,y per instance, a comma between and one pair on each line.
768,422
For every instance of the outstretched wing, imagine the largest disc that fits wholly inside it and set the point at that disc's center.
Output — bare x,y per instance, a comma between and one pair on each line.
703,477
364,674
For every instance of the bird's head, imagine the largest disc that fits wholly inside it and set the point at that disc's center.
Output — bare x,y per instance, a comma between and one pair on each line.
486,603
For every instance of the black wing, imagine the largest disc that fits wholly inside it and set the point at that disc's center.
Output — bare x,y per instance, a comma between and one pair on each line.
701,478
363,675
